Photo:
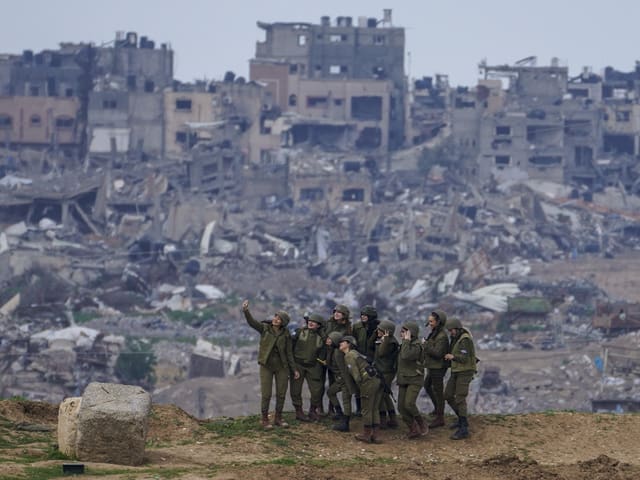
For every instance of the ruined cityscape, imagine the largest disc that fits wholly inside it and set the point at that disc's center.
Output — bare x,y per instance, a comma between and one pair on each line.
137,212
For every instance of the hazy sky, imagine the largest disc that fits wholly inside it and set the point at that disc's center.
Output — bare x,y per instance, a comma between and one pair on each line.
210,37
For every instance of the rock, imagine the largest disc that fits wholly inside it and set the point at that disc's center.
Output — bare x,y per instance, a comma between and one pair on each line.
112,424
68,425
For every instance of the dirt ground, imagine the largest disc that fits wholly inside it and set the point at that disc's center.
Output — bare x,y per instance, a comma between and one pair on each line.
551,445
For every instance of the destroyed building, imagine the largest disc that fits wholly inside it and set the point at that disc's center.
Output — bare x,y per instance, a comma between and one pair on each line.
117,88
343,81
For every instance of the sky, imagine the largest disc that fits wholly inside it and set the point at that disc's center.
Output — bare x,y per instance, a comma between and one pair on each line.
210,37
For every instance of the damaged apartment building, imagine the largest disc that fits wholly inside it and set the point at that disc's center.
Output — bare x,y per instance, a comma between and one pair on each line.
77,98
211,126
528,121
338,85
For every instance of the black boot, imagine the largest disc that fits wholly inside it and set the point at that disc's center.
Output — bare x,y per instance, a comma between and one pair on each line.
358,407
383,420
343,424
338,413
455,425
393,421
463,431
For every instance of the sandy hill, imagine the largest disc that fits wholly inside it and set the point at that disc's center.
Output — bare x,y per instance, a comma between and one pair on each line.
550,445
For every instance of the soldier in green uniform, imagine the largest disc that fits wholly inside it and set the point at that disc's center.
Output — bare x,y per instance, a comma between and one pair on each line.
435,347
340,321
463,367
385,359
342,383
365,334
308,348
364,331
275,357
365,376
410,379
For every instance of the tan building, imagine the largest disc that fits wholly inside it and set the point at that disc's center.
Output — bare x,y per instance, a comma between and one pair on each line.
182,108
39,121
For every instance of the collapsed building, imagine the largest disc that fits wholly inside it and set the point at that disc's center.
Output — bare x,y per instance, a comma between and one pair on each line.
341,84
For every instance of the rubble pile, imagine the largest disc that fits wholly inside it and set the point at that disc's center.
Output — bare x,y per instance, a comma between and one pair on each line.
146,256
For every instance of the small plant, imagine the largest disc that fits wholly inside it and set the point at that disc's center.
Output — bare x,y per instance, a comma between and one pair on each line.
136,363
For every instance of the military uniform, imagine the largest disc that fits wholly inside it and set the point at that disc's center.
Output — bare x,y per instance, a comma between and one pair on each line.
370,393
463,369
385,359
308,349
275,357
435,348
343,327
342,383
410,380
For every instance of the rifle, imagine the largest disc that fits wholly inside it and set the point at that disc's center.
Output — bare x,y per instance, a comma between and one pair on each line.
386,388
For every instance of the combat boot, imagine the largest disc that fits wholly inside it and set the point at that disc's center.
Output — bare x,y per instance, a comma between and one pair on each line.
337,409
463,431
455,425
265,421
393,420
383,420
343,425
374,434
300,414
438,421
414,430
314,416
422,425
278,421
365,436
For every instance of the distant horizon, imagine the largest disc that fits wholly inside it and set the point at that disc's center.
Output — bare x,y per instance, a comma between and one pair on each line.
496,30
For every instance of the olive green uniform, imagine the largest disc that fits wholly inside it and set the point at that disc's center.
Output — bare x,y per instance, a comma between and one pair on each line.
435,348
463,368
342,381
370,387
410,377
351,389
366,335
275,358
385,359
308,348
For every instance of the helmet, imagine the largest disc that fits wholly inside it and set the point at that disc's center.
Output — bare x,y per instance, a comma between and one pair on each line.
284,316
412,327
387,326
370,311
350,339
454,323
441,316
316,317
335,337
343,309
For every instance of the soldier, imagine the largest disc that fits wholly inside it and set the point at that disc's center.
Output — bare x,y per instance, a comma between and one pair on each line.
386,361
364,332
339,321
308,348
366,377
410,379
463,367
435,347
342,382
276,361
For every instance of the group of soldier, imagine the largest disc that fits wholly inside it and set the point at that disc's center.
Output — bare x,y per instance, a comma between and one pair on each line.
361,360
